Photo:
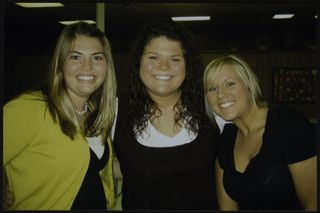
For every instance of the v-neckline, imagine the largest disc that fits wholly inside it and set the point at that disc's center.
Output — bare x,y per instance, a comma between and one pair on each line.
258,155
160,134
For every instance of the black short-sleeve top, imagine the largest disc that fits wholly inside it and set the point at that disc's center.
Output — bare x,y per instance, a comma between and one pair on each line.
266,183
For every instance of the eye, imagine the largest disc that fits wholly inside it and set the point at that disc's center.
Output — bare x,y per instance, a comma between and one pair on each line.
153,57
98,57
75,57
229,84
212,89
176,59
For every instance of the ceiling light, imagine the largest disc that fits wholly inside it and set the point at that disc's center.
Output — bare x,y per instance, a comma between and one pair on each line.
75,21
191,18
35,5
283,16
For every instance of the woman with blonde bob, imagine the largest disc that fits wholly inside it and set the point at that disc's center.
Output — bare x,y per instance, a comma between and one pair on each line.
57,139
267,156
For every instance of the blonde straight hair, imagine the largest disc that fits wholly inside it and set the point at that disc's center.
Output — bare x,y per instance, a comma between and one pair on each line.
102,102
242,69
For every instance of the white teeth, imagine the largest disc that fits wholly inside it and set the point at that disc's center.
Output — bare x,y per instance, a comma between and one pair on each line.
162,77
85,77
227,104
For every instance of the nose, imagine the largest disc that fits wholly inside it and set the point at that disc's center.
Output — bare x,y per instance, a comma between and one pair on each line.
221,92
163,64
87,63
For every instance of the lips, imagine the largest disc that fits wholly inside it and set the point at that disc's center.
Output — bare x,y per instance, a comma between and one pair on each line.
163,77
226,104
86,77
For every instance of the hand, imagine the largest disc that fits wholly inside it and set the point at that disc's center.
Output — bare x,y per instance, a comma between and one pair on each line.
8,198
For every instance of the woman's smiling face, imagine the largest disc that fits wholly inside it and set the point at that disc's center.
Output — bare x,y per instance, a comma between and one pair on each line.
162,67
228,95
85,67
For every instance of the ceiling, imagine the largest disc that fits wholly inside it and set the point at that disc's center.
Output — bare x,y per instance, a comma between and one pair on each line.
234,24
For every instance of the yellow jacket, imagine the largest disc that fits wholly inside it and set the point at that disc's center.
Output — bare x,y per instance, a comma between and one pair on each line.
45,167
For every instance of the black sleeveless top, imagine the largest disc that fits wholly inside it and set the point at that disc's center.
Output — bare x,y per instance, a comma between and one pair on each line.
91,195
170,178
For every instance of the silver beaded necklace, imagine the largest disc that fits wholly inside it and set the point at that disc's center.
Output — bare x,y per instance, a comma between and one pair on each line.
82,112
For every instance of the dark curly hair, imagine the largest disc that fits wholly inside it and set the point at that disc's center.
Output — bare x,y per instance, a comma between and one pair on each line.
140,104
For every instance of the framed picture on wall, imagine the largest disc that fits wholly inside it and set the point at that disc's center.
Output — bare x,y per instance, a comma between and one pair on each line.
294,85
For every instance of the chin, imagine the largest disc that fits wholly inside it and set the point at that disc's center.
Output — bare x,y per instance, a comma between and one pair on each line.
86,92
228,117
162,92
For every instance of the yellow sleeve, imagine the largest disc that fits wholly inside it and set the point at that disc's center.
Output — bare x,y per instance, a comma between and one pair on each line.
19,126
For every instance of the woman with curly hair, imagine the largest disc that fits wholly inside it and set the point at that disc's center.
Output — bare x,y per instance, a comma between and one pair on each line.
163,140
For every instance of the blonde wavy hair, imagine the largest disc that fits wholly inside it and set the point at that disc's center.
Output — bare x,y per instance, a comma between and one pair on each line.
242,69
102,103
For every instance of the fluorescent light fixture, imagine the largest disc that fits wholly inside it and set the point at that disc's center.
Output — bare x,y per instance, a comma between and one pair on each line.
190,18
35,5
283,16
75,21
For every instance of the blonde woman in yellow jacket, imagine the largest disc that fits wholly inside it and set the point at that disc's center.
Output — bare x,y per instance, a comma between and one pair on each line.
57,148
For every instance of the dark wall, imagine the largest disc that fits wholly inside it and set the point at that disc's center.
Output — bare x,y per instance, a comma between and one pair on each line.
25,72
27,51
262,63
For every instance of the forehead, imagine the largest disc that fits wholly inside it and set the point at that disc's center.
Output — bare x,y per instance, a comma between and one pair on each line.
163,43
86,42
222,73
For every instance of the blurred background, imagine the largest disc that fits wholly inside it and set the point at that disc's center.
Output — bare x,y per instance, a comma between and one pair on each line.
282,52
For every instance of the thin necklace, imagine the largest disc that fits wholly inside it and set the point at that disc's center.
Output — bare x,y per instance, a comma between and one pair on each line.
82,112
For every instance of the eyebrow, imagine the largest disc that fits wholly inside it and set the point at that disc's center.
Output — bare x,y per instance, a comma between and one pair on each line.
150,52
231,79
211,81
96,53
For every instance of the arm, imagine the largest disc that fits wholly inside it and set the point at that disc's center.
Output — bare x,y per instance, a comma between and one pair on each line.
21,121
115,163
225,202
18,127
116,169
117,176
304,175
8,198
